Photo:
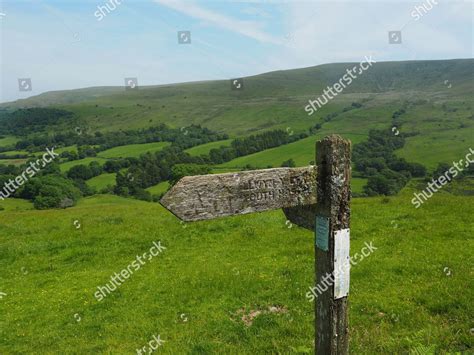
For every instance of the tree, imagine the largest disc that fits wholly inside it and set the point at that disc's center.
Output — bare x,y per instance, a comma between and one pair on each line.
82,172
387,182
180,170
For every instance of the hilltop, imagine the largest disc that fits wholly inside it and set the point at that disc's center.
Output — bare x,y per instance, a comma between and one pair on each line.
267,101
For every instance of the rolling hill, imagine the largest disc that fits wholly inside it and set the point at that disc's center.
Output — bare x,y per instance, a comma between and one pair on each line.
437,95
268,101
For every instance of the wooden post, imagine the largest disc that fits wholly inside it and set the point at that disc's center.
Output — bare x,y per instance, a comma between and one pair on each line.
333,159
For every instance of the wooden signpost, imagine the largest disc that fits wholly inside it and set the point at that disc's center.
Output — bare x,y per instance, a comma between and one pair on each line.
316,198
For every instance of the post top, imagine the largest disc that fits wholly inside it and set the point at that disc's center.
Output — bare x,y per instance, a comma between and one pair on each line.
334,138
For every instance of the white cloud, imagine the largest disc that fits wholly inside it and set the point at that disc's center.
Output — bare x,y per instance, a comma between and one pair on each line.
247,28
255,11
327,32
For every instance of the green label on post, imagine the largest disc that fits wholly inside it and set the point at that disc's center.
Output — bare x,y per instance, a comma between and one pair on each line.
322,232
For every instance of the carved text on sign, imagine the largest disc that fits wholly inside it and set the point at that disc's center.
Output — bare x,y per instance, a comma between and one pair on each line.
208,196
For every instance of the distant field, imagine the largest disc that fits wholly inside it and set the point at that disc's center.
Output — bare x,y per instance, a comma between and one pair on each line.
12,161
445,132
86,161
204,149
357,184
133,150
71,148
443,146
102,181
160,188
24,152
8,141
15,152
302,152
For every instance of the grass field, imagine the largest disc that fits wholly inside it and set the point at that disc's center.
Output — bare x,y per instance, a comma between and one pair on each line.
71,148
14,204
133,150
86,161
160,188
204,149
102,181
445,150
404,296
15,152
12,161
357,184
8,141
302,152
38,154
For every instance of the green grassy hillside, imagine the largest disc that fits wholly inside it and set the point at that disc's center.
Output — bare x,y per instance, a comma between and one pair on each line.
86,161
160,188
12,161
102,181
439,113
7,141
404,297
204,149
270,100
302,152
413,295
133,150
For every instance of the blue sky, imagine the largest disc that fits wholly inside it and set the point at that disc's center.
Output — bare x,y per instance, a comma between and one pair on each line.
63,44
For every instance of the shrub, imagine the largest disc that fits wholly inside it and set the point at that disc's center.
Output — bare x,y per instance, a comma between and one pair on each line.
51,191
290,163
142,194
180,170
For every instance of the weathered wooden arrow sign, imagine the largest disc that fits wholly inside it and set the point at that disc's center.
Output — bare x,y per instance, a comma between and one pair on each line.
320,202
201,197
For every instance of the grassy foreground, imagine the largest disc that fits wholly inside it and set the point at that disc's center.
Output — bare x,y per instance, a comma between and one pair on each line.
413,293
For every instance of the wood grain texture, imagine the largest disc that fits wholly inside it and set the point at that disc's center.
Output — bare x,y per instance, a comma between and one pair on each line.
333,159
202,197
303,216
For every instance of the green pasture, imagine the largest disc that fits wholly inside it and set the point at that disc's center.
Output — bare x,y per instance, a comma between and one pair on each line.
414,292
86,161
102,181
160,188
133,150
204,149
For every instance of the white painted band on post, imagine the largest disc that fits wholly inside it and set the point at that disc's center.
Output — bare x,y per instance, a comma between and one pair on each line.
342,263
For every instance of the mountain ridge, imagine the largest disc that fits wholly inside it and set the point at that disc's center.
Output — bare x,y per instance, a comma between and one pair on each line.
326,71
